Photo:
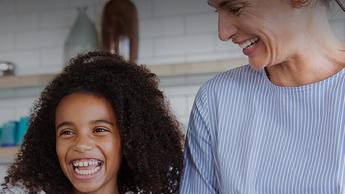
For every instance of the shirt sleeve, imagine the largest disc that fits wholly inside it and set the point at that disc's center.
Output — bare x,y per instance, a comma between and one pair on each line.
199,166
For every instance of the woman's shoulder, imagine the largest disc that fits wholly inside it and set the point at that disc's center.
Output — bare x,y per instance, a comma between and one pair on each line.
242,72
237,77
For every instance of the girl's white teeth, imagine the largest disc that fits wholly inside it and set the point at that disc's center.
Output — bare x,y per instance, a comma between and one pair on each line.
87,172
91,166
86,163
249,43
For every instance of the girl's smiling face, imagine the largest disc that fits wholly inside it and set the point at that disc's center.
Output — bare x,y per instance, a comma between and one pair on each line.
88,143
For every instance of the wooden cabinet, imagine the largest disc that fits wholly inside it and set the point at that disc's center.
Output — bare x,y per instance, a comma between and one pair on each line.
7,155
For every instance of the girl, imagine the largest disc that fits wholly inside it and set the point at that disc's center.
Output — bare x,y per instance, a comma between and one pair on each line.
101,126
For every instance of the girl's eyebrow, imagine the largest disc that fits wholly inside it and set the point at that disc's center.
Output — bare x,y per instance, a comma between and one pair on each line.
64,123
103,121
68,123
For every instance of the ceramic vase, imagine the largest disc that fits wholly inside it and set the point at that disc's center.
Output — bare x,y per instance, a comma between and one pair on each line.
82,37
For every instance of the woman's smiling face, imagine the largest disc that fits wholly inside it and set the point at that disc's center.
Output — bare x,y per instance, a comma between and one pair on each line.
268,31
88,143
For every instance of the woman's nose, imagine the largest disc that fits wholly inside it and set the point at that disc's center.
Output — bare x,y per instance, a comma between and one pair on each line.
226,27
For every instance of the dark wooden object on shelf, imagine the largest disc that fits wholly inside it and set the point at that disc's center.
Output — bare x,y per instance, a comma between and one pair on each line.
120,20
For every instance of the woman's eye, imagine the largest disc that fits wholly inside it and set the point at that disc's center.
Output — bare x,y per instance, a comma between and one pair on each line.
235,10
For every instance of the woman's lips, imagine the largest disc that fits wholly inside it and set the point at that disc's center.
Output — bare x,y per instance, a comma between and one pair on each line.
250,46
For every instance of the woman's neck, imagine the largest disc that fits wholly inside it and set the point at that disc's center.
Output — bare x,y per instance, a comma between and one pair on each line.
319,56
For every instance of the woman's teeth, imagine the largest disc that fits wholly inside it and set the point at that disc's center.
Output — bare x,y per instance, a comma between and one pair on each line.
249,43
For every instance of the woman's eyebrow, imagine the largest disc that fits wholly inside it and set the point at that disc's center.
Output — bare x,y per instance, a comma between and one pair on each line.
223,3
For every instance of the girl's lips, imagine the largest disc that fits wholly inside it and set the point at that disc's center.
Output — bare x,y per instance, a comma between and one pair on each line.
86,169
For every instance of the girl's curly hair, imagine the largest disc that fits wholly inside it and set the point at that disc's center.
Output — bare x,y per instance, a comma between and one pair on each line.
150,135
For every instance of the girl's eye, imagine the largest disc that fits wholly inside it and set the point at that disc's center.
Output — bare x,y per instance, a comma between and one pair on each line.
66,133
100,130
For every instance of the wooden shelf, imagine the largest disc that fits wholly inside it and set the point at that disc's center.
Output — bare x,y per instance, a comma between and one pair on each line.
17,82
7,155
13,82
197,68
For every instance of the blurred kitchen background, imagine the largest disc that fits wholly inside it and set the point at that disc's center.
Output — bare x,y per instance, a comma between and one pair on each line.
177,39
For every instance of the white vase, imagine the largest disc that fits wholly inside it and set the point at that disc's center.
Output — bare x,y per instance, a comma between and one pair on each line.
82,36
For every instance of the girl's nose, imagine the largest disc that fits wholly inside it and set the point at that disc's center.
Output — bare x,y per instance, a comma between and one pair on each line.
83,144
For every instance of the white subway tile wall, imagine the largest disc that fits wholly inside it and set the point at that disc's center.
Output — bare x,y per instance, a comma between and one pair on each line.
201,23
14,108
169,29
162,27
181,30
32,35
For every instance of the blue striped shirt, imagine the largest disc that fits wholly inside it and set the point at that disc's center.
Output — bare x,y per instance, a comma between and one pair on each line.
249,136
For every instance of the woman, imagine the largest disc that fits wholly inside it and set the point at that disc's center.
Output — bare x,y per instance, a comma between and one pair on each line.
276,125
101,126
